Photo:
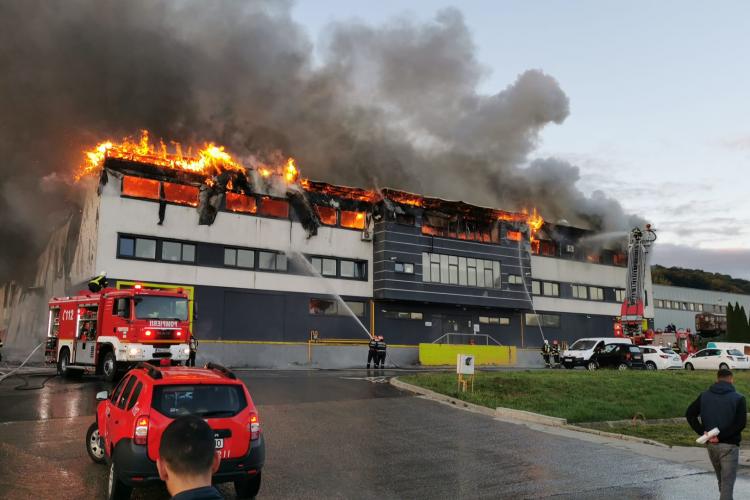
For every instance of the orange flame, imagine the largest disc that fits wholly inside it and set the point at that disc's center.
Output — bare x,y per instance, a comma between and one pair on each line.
209,160
290,171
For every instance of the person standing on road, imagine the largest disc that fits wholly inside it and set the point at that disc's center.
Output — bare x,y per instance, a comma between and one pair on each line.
187,459
372,353
193,350
546,351
723,407
380,346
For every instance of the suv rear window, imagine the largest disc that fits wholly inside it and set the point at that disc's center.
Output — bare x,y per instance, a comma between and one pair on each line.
208,401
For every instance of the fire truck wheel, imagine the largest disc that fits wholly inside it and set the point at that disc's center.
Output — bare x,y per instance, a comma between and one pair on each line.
116,489
62,363
689,366
109,367
248,488
94,444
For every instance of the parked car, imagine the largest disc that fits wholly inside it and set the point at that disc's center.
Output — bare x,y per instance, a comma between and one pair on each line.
620,356
717,359
130,422
660,358
579,353
743,348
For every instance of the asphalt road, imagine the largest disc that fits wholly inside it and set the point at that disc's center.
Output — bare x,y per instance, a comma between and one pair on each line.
341,434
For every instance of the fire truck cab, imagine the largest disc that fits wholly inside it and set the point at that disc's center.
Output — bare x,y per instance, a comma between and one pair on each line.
108,331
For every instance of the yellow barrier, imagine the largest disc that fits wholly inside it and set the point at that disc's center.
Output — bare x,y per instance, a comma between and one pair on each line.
445,354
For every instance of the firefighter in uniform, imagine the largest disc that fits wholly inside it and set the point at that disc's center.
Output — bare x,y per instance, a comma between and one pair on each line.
546,351
372,353
98,282
380,346
556,352
193,350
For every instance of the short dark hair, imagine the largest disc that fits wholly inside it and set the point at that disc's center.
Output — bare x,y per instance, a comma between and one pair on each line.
724,373
188,446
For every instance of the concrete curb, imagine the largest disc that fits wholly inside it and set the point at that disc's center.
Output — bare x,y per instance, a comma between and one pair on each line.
516,416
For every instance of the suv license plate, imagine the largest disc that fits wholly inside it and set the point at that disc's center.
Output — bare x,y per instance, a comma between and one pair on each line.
219,443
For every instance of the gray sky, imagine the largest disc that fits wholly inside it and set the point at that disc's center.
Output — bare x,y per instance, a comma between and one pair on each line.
658,96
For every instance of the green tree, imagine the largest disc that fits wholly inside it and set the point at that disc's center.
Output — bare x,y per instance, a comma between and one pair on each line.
732,324
744,327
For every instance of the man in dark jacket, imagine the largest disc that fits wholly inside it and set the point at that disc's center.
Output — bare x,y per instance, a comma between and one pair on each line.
380,347
722,407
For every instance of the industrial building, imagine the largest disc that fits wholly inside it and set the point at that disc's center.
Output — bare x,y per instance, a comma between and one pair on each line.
272,262
678,306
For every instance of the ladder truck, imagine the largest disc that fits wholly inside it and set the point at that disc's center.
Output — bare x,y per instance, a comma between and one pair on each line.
632,322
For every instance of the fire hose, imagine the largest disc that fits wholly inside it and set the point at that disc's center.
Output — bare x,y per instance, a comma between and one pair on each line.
9,374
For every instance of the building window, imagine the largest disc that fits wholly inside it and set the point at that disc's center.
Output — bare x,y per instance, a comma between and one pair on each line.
691,306
536,287
579,292
404,315
274,208
230,257
493,320
271,261
138,187
596,293
324,267
322,307
327,215
619,294
357,307
515,279
683,306
454,270
551,289
352,220
659,303
404,267
241,203
700,307
544,320
237,257
140,248
172,251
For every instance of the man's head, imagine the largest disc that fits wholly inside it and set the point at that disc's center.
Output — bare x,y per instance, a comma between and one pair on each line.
725,375
187,455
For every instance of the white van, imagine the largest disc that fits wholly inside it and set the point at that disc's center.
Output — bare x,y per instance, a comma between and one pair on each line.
579,353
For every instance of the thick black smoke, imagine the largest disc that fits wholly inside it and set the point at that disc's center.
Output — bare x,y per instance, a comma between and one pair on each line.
394,105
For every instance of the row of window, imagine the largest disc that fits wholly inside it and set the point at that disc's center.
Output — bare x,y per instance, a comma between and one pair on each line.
543,320
462,271
342,268
137,247
180,194
547,288
404,315
685,306
583,292
494,320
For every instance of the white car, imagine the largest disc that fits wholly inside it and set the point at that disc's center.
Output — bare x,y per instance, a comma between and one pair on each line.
660,358
581,351
716,359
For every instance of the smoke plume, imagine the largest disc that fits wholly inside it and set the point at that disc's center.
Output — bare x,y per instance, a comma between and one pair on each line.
393,105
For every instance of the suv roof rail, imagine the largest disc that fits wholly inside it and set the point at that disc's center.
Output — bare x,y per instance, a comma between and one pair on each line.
152,371
215,366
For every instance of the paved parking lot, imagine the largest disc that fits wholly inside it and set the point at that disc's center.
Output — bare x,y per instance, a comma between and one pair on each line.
342,434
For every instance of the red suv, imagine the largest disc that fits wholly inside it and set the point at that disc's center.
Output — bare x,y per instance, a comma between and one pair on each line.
130,421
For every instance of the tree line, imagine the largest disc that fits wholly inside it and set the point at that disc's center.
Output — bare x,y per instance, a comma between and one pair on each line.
697,278
738,328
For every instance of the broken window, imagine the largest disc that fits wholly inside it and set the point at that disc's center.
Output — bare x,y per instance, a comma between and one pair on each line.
322,307
241,203
513,235
352,220
138,187
181,194
328,215
544,320
274,208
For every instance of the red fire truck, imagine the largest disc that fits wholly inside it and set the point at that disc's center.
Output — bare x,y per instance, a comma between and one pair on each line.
108,331
632,322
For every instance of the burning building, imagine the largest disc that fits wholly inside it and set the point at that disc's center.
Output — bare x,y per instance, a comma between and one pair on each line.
271,259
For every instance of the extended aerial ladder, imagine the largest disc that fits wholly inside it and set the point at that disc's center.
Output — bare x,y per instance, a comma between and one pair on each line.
632,321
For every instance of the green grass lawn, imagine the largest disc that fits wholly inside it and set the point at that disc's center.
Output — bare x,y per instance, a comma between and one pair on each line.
671,434
582,396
